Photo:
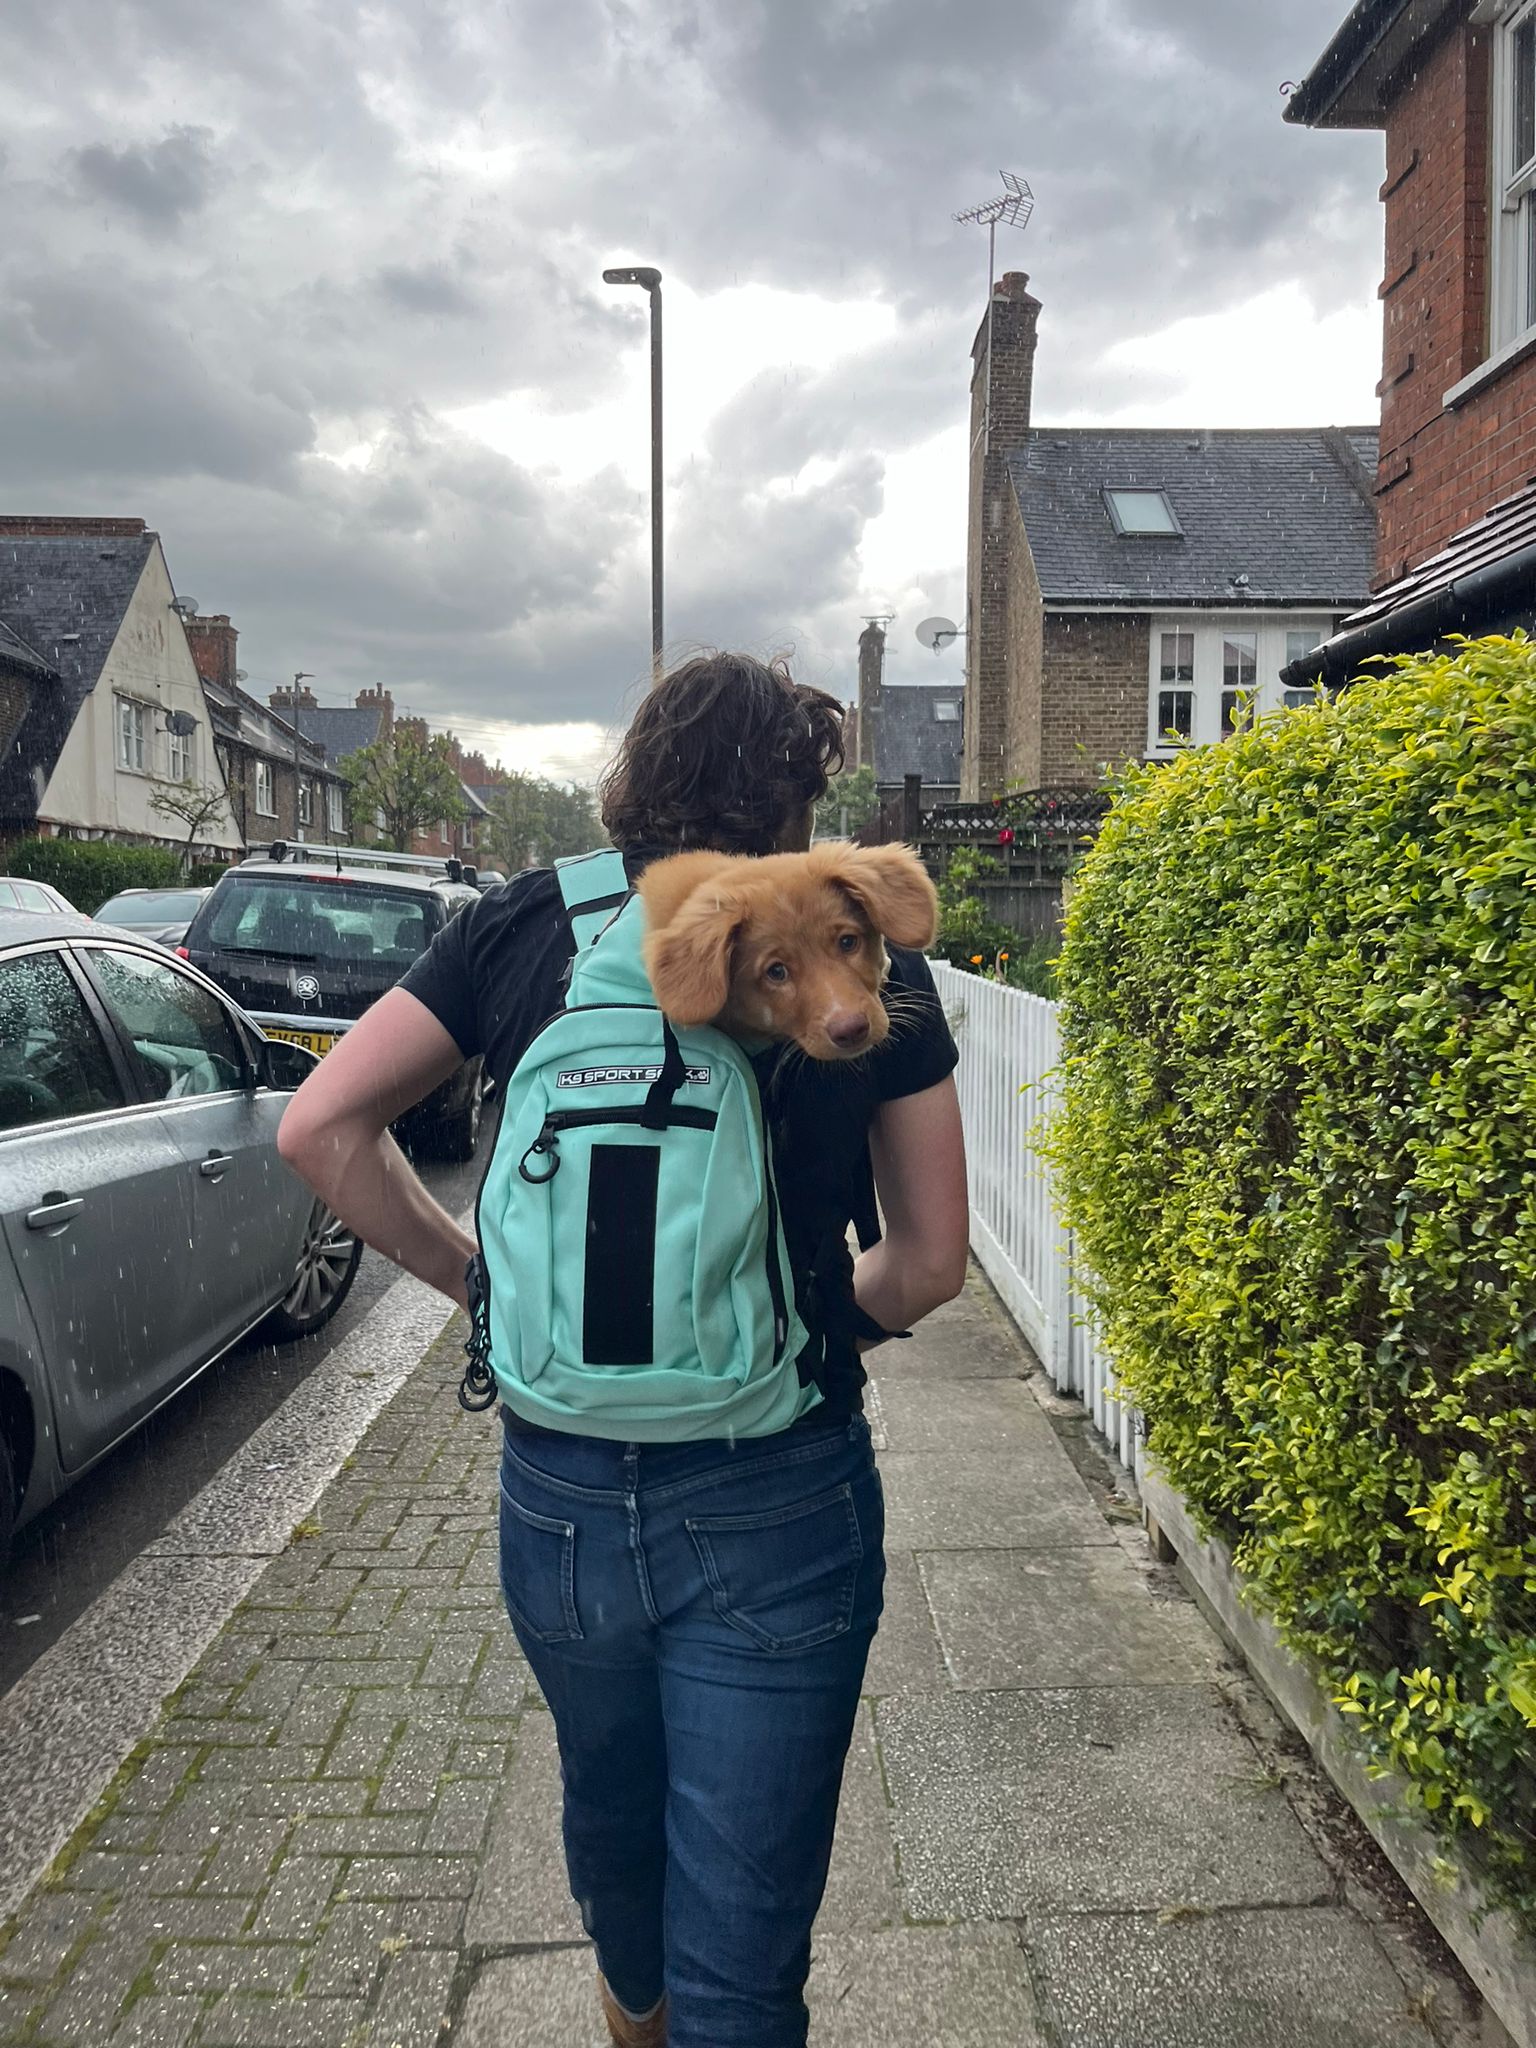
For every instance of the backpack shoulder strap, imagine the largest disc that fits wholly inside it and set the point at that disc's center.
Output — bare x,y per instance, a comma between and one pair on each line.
592,887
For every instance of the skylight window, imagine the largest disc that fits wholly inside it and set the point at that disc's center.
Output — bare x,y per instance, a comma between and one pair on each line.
1141,511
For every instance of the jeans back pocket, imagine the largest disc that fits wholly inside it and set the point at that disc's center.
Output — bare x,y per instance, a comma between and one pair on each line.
786,1577
538,1572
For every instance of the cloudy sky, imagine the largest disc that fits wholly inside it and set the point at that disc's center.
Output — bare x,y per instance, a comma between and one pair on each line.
315,287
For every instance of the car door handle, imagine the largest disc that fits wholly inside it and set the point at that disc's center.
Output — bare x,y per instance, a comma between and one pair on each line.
55,1212
216,1165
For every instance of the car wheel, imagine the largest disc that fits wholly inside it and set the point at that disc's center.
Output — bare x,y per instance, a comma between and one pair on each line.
457,1137
8,1502
327,1265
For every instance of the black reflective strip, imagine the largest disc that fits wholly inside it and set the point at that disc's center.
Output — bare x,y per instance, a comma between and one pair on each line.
619,1308
597,903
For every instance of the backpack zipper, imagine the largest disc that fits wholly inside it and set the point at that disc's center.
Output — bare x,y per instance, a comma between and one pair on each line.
546,1144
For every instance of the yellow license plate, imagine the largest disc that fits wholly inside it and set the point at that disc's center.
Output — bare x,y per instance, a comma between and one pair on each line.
317,1042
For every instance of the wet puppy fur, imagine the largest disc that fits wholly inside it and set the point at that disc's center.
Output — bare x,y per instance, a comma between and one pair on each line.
788,946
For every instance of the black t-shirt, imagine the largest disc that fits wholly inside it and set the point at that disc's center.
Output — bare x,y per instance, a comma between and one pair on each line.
494,975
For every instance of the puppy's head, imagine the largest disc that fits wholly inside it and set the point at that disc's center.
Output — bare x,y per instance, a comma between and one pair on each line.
787,947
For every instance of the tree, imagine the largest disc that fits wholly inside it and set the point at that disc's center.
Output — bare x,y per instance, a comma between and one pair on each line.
193,804
405,781
849,804
536,820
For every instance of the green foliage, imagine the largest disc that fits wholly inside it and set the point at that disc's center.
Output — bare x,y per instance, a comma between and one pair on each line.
88,871
849,804
973,940
534,819
411,781
1299,1007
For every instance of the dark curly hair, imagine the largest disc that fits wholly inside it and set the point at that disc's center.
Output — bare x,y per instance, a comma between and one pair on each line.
725,752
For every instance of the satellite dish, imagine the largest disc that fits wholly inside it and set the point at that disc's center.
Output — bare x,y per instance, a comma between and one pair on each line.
182,723
937,633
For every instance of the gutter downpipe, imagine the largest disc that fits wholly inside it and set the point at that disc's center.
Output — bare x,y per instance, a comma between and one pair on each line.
1449,610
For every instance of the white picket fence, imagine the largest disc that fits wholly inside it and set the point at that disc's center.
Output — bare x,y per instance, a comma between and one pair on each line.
1010,1048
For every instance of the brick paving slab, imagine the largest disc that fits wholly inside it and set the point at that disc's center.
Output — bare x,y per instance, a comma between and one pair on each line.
343,1832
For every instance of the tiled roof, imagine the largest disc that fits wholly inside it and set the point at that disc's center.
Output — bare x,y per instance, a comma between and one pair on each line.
65,596
1284,507
341,729
909,740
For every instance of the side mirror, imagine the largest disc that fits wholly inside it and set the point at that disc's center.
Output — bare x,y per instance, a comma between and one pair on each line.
285,1066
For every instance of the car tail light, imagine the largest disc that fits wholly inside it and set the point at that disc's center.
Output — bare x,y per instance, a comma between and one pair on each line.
182,953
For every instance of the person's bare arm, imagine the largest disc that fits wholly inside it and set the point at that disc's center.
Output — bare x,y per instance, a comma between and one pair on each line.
335,1135
918,1149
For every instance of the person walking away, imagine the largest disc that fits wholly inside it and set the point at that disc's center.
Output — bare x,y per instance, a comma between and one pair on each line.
698,1612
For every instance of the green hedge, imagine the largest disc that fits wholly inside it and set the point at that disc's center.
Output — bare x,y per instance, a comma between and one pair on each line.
1298,1146
88,871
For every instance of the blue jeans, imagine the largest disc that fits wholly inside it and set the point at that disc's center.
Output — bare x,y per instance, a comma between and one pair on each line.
699,1616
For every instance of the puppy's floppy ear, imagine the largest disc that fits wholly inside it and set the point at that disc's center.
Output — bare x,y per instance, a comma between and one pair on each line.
890,883
693,916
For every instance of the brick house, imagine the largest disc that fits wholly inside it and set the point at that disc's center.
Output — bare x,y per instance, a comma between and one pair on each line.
337,730
1452,86
110,708
902,729
280,785
1129,587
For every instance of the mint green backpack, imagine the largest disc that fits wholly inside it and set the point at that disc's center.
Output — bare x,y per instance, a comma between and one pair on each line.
632,1280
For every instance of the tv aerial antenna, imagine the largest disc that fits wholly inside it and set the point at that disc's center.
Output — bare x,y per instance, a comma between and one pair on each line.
1012,208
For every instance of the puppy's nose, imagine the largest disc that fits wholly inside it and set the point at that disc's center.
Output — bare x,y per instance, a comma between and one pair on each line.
848,1030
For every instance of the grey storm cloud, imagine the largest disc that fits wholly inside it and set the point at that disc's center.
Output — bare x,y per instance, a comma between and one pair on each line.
245,243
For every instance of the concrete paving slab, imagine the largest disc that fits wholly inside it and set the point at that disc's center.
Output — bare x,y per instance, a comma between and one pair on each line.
913,1988
989,1500
1061,1617
924,1988
1304,1978
863,1891
961,1341
1077,1798
994,1415
906,1656
523,1895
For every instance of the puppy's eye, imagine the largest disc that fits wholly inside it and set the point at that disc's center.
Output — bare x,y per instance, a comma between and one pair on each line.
848,943
776,971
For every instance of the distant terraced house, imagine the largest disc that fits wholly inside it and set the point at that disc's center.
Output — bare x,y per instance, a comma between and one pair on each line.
100,700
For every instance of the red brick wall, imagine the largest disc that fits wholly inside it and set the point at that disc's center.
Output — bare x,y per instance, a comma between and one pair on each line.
1442,469
1094,707
1022,627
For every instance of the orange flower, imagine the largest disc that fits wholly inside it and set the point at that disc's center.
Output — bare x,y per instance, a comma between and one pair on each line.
975,959
1002,956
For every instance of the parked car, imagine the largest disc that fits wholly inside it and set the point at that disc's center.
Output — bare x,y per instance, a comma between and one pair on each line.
146,1220
19,892
306,938
159,914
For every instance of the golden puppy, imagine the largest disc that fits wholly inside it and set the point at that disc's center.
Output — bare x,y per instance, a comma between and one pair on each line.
790,946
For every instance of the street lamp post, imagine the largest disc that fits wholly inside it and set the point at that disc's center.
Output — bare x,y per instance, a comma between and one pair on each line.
650,281
300,676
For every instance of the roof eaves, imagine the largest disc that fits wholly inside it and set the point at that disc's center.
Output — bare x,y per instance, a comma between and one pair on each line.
1344,87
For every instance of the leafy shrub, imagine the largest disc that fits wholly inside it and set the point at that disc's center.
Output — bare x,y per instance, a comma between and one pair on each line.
1299,1007
88,871
972,939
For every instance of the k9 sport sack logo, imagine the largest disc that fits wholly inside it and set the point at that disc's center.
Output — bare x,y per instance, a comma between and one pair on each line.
623,1077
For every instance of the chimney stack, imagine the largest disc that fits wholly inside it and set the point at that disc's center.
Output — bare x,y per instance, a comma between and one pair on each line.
1001,394
213,640
871,675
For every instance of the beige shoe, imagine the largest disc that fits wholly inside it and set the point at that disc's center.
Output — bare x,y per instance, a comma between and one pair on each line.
650,2032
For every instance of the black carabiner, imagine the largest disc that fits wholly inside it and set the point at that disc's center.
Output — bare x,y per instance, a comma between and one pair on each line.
546,1143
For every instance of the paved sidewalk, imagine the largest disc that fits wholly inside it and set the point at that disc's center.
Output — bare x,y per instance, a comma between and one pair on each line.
1069,1820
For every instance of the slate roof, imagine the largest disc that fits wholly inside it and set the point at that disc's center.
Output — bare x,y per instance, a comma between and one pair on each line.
16,654
341,728
909,740
65,595
1286,507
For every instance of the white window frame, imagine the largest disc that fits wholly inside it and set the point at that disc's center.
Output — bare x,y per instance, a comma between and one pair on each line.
266,790
335,809
178,750
1209,630
306,801
132,731
1512,198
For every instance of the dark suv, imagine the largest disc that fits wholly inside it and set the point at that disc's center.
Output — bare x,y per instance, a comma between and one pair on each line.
305,938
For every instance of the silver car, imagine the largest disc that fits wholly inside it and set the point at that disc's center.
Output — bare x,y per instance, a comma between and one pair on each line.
146,1221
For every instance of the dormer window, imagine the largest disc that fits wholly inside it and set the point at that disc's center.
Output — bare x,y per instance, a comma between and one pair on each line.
1136,509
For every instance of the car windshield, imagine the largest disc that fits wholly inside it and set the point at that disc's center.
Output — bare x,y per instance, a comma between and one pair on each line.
151,906
346,922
